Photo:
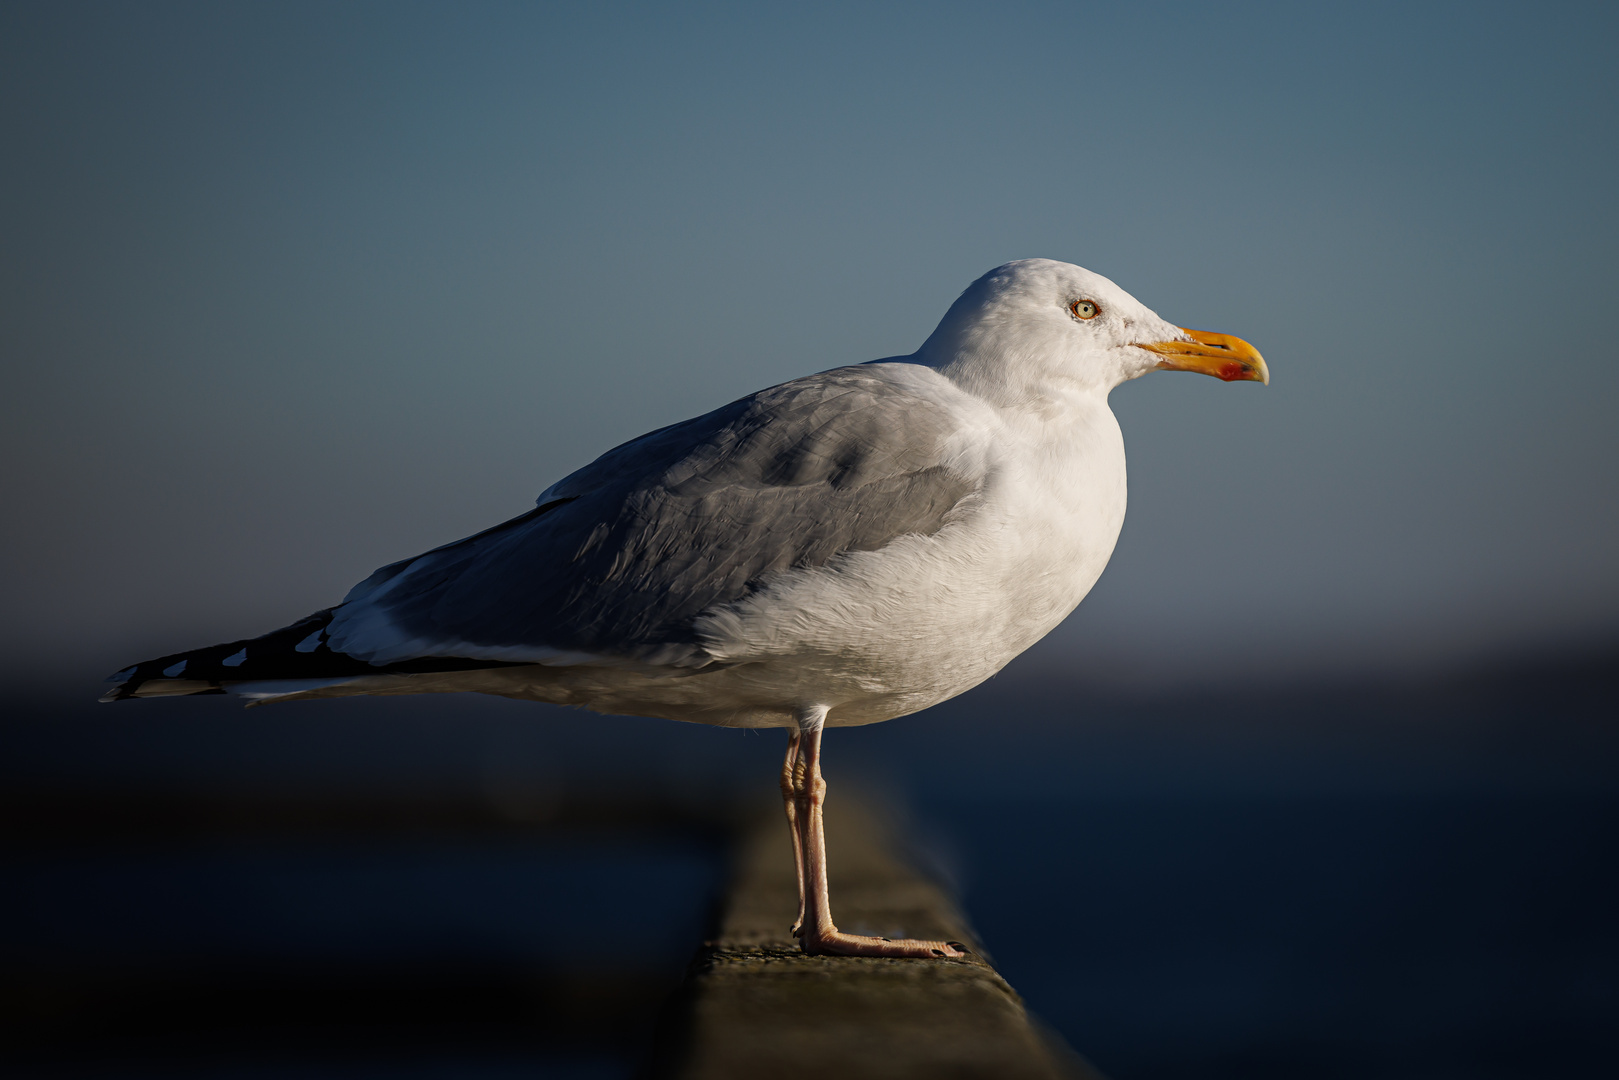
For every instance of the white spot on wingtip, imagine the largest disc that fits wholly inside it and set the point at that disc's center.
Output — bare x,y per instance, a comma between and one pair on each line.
175,669
123,676
308,644
235,659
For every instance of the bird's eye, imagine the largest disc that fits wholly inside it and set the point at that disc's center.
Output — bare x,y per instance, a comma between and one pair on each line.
1084,309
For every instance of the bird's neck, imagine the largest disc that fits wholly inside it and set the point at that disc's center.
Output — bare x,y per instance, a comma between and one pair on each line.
1020,377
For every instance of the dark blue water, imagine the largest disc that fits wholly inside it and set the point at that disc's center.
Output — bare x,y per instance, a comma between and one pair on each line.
1307,937
1413,885
1164,937
573,904
410,956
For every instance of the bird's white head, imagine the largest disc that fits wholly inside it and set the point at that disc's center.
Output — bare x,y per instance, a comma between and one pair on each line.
1035,327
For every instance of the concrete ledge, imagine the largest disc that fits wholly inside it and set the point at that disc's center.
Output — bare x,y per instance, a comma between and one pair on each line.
754,1006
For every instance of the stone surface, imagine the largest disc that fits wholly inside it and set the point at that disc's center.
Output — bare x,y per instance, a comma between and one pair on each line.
755,1006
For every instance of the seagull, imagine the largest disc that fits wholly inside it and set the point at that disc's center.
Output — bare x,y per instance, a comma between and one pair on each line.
841,549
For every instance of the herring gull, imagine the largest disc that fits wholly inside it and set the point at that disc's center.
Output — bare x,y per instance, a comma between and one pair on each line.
841,549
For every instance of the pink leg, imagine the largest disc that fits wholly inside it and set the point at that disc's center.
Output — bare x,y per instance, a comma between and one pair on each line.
817,932
791,780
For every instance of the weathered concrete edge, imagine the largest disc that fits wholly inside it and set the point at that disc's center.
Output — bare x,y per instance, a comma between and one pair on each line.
753,1004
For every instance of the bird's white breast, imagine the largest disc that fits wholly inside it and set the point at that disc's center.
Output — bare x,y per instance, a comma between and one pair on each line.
881,633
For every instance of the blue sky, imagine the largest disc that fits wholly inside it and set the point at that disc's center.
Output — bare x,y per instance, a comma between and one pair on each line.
291,291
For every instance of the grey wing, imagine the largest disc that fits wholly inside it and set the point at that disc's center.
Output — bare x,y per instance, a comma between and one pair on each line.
620,558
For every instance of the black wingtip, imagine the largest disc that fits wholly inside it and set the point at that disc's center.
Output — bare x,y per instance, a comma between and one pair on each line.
120,690
210,670
296,652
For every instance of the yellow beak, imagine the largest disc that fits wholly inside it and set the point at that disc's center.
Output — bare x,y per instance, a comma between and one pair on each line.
1221,355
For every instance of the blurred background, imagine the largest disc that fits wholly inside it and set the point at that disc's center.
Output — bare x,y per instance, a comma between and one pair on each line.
1322,779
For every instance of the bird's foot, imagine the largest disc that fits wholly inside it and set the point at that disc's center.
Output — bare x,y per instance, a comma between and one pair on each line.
835,942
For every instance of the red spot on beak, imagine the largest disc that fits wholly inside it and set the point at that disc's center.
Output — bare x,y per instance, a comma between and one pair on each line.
1232,372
